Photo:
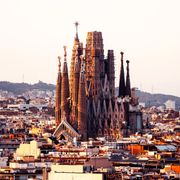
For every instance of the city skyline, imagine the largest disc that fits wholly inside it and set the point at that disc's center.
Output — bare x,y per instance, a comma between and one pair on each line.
33,34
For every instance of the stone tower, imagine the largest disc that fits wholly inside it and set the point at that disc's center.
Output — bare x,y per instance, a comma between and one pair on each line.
122,88
75,90
128,85
65,101
109,69
58,95
77,47
87,100
82,105
94,55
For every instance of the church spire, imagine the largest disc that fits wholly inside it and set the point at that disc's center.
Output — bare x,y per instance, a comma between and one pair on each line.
110,71
82,110
58,94
76,25
128,85
75,85
59,65
65,70
76,47
122,88
65,89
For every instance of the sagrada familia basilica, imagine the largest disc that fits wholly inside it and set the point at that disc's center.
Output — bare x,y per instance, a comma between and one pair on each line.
86,102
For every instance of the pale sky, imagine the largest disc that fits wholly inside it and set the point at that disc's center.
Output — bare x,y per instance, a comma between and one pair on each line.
33,32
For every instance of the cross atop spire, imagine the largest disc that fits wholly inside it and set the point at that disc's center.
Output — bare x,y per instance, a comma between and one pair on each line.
76,25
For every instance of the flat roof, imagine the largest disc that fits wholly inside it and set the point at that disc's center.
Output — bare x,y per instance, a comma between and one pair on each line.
166,147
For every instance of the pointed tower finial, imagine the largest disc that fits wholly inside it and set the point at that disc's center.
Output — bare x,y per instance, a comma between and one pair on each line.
65,88
82,111
58,94
122,54
128,84
122,87
65,52
76,25
59,65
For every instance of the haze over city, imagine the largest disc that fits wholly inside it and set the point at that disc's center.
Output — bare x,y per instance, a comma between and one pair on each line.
70,107
33,33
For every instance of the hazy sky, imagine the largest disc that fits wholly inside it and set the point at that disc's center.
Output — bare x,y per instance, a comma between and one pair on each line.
33,32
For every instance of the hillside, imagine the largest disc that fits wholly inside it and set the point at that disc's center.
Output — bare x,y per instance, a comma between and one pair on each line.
19,88
148,98
156,99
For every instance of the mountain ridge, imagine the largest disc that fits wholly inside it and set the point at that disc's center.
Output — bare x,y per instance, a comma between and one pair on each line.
148,98
19,88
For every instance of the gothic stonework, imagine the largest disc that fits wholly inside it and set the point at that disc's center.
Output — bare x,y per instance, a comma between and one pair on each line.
87,101
58,95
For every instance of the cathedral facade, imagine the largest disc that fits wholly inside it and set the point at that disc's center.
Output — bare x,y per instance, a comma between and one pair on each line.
86,99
